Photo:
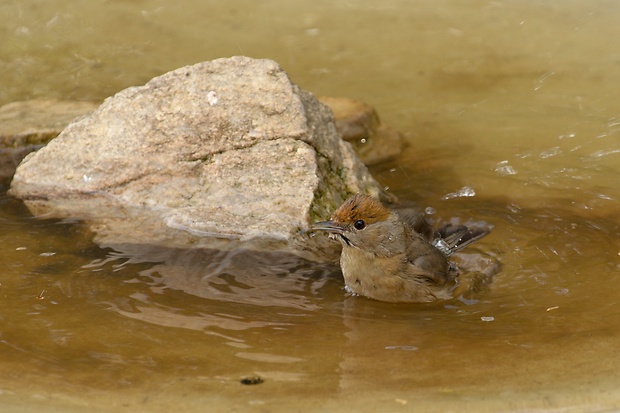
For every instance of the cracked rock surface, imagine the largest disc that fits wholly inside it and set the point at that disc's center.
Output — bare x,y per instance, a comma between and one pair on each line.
218,153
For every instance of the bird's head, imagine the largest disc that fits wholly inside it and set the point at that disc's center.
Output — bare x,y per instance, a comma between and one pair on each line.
364,222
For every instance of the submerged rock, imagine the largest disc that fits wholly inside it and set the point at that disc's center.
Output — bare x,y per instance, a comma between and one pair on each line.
29,125
358,123
207,155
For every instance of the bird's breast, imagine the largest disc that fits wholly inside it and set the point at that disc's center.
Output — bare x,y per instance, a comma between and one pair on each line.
372,276
392,279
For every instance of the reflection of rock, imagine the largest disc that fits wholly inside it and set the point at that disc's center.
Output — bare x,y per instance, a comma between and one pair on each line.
27,126
229,149
359,124
240,276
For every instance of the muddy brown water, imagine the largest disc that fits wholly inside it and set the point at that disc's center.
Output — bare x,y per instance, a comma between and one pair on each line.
518,101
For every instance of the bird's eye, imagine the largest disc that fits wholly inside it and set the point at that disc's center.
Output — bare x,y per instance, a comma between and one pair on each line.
359,224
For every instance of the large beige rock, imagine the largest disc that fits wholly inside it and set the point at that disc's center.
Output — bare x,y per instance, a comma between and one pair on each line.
221,152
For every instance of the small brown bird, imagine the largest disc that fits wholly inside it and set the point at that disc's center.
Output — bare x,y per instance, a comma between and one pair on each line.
394,255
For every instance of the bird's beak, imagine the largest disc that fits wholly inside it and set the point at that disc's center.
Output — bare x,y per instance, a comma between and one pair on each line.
329,226
335,230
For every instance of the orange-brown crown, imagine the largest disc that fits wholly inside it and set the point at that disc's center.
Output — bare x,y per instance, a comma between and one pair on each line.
363,207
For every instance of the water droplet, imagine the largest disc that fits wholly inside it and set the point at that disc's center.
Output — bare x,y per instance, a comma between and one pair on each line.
503,169
463,192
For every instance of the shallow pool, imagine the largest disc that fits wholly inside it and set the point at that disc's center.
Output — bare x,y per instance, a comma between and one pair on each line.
516,100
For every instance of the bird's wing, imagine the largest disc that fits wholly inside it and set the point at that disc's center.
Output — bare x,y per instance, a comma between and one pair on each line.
451,238
430,263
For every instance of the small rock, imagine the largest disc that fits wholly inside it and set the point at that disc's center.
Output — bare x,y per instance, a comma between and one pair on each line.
218,153
249,381
358,123
27,126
